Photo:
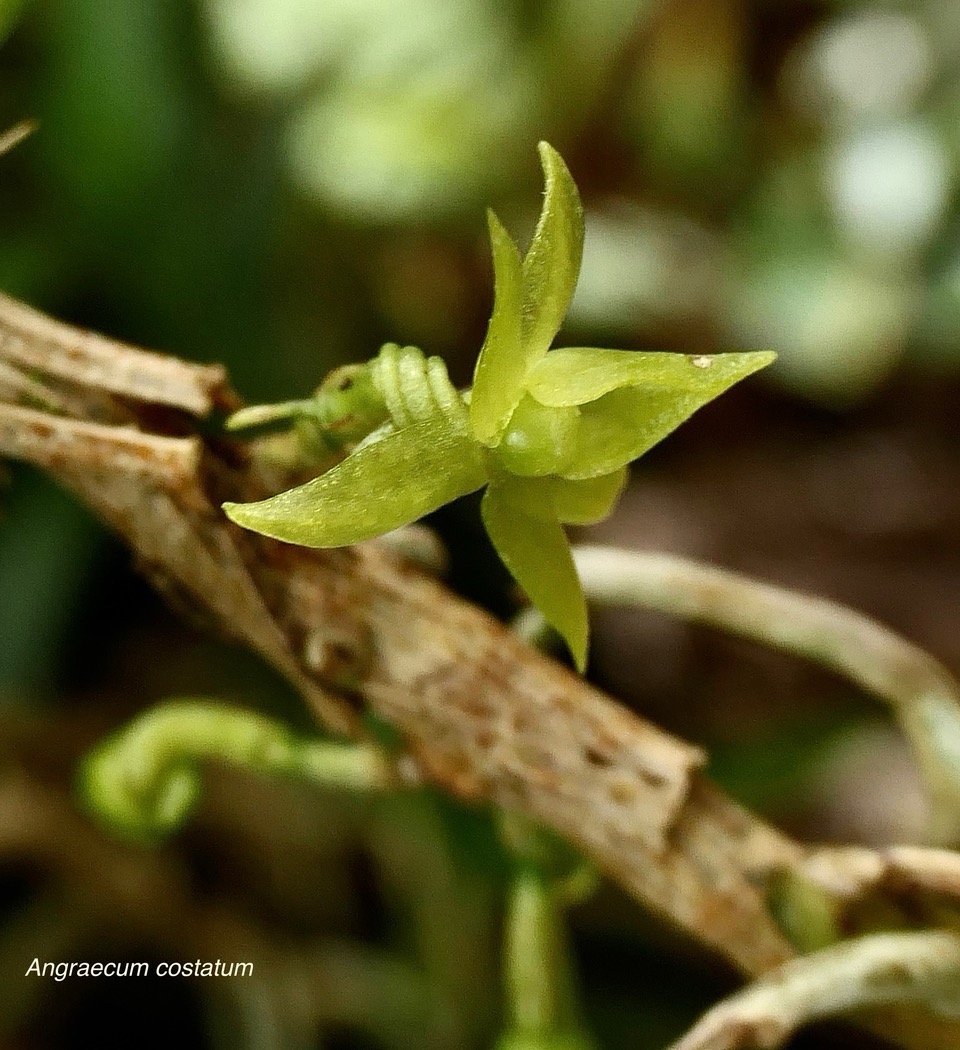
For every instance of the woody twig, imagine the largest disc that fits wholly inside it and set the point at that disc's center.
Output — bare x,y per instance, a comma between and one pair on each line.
482,714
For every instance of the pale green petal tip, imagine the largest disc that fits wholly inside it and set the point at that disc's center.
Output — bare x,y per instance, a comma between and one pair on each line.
552,263
759,358
553,165
574,627
537,554
239,514
258,517
495,227
755,360
578,647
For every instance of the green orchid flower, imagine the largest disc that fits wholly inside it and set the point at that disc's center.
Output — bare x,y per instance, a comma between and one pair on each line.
548,432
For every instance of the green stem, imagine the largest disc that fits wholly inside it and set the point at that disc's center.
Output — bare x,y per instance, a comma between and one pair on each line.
542,1003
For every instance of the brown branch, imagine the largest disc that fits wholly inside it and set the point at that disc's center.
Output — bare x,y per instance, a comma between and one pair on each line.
483,715
32,341
881,969
923,694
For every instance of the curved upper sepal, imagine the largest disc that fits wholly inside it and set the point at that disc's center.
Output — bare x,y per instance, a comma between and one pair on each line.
552,264
530,299
502,364
384,484
538,556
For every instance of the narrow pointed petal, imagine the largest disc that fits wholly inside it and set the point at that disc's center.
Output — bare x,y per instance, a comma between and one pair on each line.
577,375
382,485
502,365
552,264
538,556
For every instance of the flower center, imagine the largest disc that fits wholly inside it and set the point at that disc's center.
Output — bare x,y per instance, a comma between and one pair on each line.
538,440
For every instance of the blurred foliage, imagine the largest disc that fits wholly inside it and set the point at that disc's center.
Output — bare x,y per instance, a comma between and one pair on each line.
392,107
9,13
284,185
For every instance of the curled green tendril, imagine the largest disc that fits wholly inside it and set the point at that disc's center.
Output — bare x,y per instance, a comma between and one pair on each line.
144,781
548,432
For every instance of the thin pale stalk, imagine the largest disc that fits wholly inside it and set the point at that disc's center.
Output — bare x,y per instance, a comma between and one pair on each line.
924,696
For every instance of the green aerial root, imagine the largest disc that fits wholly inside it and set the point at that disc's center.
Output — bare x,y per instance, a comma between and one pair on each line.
144,781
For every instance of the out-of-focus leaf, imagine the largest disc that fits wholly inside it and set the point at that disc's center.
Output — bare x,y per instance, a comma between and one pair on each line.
421,93
940,323
838,329
688,103
889,188
538,556
870,62
275,46
590,36
418,110
118,117
380,155
642,267
10,11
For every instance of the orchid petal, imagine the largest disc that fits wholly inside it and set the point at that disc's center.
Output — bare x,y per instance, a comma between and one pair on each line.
622,425
552,264
577,375
386,483
502,365
537,554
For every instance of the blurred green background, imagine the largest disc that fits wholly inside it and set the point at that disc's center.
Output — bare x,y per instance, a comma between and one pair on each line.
283,185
